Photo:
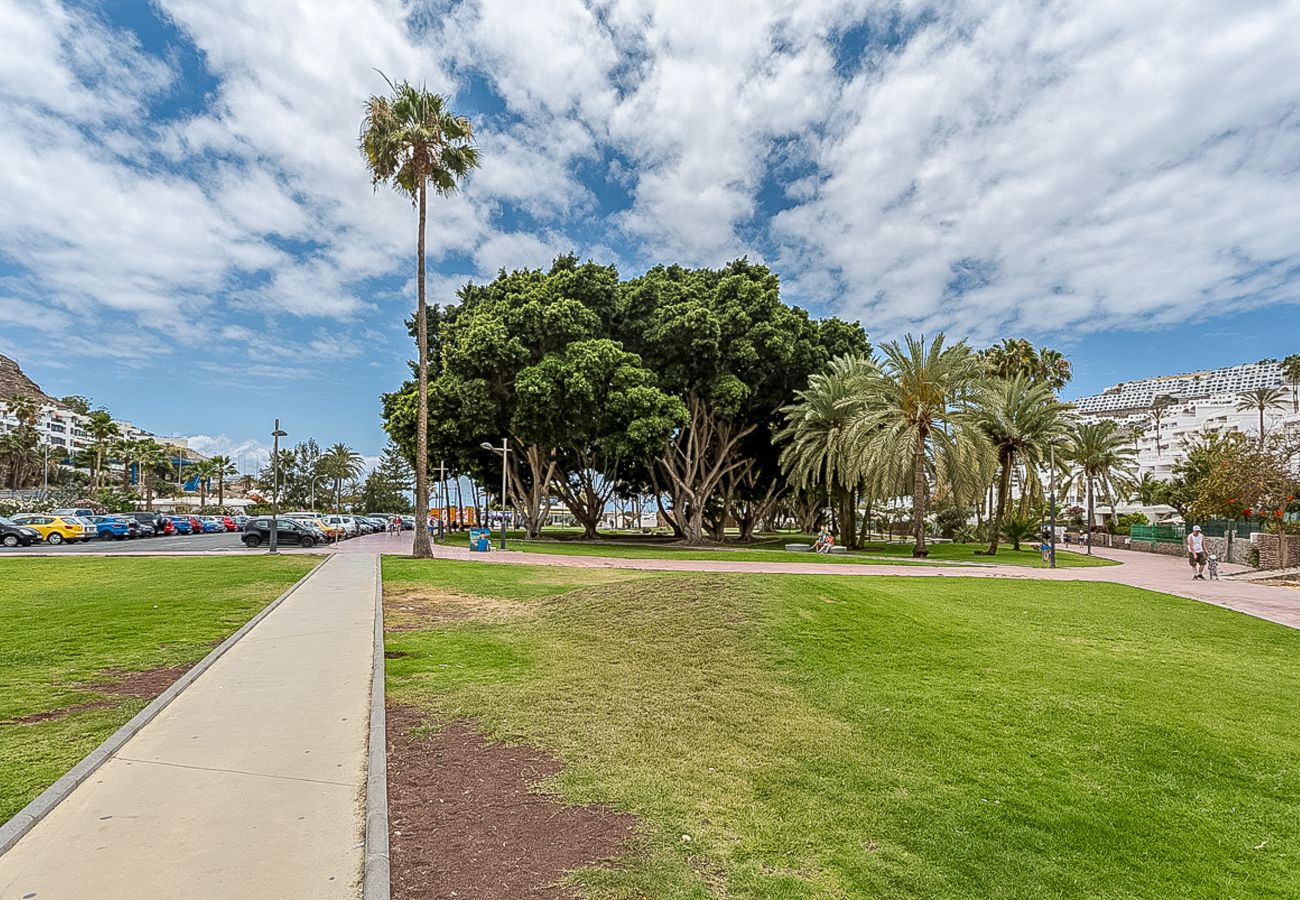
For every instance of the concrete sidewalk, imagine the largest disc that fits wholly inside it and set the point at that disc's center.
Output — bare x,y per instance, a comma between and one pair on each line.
250,784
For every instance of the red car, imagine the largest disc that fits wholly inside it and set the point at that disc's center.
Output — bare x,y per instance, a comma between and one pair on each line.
167,526
229,523
195,523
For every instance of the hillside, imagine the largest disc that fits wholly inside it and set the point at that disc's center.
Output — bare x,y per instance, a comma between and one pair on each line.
14,383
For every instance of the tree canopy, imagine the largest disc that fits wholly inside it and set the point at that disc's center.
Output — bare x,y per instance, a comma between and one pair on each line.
672,381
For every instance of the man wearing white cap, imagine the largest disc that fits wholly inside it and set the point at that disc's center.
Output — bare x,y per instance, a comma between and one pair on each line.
1196,553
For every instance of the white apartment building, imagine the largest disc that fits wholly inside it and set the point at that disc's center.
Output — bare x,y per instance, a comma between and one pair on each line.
56,425
1194,403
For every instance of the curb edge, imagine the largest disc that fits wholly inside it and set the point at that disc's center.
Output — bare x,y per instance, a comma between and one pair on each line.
376,883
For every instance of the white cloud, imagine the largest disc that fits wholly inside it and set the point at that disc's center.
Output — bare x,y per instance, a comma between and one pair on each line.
1073,165
1098,164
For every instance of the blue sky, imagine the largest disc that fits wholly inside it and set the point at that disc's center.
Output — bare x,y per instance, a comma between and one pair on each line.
188,235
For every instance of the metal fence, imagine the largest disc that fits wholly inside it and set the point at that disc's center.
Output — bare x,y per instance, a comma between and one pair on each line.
1157,534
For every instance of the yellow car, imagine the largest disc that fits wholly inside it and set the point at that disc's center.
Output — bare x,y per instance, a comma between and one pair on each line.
56,529
331,531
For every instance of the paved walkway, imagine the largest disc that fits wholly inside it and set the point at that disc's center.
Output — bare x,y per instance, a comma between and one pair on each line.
250,784
1169,574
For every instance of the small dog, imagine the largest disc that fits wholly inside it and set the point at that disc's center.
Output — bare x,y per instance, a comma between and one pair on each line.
1214,567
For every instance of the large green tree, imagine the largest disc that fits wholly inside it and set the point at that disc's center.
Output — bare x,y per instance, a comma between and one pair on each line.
910,411
1017,356
412,141
1020,418
1291,372
340,463
1102,458
600,411
817,450
1261,400
725,343
102,430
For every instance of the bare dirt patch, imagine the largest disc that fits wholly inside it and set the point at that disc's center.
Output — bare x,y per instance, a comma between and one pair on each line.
465,821
50,715
147,684
411,610
118,684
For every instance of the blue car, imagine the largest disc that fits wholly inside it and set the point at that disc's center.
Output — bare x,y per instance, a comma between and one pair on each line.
110,527
182,525
211,527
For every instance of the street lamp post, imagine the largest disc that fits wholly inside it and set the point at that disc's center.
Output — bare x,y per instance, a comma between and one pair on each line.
504,450
275,484
1051,520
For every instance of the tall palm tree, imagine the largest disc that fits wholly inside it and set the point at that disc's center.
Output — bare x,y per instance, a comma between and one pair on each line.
1261,399
149,455
341,463
906,410
1101,456
1291,372
1160,406
203,470
102,430
222,467
817,451
1020,418
412,141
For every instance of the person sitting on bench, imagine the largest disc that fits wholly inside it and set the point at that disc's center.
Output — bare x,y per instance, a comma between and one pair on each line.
825,541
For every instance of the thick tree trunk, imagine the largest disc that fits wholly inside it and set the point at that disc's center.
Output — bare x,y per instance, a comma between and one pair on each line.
421,548
585,498
995,521
919,490
529,499
697,458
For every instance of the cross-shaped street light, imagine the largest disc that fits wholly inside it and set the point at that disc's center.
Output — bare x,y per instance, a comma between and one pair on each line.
504,450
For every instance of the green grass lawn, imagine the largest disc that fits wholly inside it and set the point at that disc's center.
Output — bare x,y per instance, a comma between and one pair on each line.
821,736
66,620
770,550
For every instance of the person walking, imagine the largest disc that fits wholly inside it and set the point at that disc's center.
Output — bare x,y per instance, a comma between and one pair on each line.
1196,553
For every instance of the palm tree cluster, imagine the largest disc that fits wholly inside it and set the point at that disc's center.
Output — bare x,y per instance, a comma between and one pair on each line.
931,420
300,471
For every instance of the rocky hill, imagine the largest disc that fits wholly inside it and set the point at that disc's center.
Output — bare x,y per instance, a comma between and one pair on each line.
14,383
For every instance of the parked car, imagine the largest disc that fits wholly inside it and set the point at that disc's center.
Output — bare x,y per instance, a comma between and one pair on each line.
56,529
315,521
196,524
240,521
288,532
110,527
212,525
166,525
181,524
408,523
12,534
148,520
74,511
227,522
347,523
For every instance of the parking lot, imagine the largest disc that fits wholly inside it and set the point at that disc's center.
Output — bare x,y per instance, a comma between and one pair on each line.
174,544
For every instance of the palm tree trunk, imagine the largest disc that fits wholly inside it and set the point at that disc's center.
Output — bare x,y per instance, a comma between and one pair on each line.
1261,425
421,548
995,522
221,488
918,495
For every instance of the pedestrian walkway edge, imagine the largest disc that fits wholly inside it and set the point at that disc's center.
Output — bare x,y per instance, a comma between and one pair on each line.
27,817
376,884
